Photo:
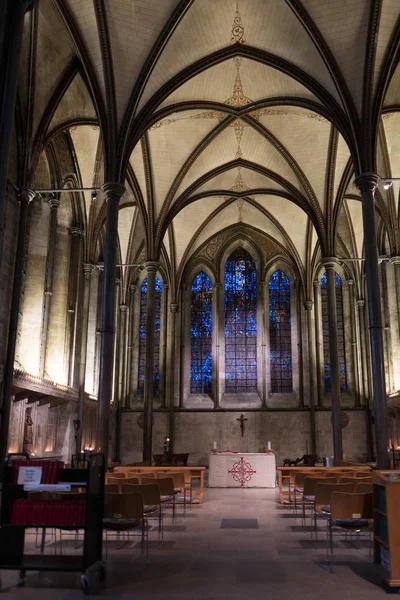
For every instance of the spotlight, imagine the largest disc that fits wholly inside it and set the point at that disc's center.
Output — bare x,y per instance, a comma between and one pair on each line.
94,196
387,185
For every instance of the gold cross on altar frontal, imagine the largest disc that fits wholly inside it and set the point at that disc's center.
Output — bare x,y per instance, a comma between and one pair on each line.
242,419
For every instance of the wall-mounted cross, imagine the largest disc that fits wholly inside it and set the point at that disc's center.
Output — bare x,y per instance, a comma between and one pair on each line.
242,420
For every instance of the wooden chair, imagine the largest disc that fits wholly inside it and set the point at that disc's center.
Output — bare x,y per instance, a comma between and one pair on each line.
364,488
308,495
116,475
167,491
124,513
322,500
151,501
111,488
179,487
356,480
350,512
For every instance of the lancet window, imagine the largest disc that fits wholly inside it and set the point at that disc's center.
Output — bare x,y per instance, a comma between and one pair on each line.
142,337
340,333
201,335
280,333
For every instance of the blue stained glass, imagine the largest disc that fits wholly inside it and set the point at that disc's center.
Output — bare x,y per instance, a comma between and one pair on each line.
142,337
240,323
201,335
340,333
280,333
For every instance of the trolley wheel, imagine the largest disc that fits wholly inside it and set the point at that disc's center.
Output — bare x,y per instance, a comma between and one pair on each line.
85,584
102,572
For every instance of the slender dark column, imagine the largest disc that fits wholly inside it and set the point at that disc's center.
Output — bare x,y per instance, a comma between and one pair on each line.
48,292
163,345
12,14
152,268
116,354
329,264
182,348
84,320
219,333
317,323
308,304
97,343
387,331
297,289
354,345
121,388
129,379
73,287
264,313
171,404
395,261
26,196
367,183
113,192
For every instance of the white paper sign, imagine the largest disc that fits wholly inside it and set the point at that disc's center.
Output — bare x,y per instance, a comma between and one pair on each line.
30,475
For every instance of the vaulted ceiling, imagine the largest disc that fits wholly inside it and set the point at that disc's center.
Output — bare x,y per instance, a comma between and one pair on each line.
221,117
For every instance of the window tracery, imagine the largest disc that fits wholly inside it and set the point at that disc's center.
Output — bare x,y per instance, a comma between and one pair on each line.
280,333
201,335
142,337
340,333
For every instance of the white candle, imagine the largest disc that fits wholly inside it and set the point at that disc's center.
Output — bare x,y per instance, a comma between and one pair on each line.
215,445
268,445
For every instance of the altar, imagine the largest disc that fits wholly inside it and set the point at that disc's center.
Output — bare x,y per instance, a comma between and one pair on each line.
242,470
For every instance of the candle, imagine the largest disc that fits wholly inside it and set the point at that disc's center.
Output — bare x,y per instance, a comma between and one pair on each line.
215,445
268,445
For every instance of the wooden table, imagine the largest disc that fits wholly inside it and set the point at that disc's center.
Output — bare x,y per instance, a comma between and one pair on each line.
284,473
195,472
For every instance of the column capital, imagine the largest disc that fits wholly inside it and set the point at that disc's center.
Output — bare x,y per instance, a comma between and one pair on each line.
88,268
315,283
26,195
165,286
308,304
123,308
330,262
394,260
113,191
217,285
54,203
76,231
133,288
367,182
173,307
350,282
151,266
361,303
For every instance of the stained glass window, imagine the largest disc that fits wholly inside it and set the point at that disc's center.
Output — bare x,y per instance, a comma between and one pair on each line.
142,337
240,323
280,333
201,335
340,333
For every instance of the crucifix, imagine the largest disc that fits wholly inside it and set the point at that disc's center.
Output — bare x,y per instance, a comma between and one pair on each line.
241,420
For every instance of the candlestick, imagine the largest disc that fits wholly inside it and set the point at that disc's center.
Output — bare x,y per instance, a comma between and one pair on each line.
269,446
215,445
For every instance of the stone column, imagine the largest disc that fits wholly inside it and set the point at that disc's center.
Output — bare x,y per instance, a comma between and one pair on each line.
116,355
121,387
329,264
173,310
129,386
84,320
163,345
264,325
25,196
387,331
73,287
12,13
219,334
317,324
367,183
308,304
48,291
354,346
182,347
297,289
365,391
113,192
152,268
395,261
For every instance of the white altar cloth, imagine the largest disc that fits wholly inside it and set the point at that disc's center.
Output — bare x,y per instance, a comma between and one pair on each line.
242,470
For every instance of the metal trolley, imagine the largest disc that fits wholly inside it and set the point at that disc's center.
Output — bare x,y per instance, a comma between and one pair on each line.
12,537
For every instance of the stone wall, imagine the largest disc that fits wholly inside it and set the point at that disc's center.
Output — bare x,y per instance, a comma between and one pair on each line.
288,431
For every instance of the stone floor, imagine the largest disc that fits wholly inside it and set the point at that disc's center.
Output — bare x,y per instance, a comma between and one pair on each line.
269,557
